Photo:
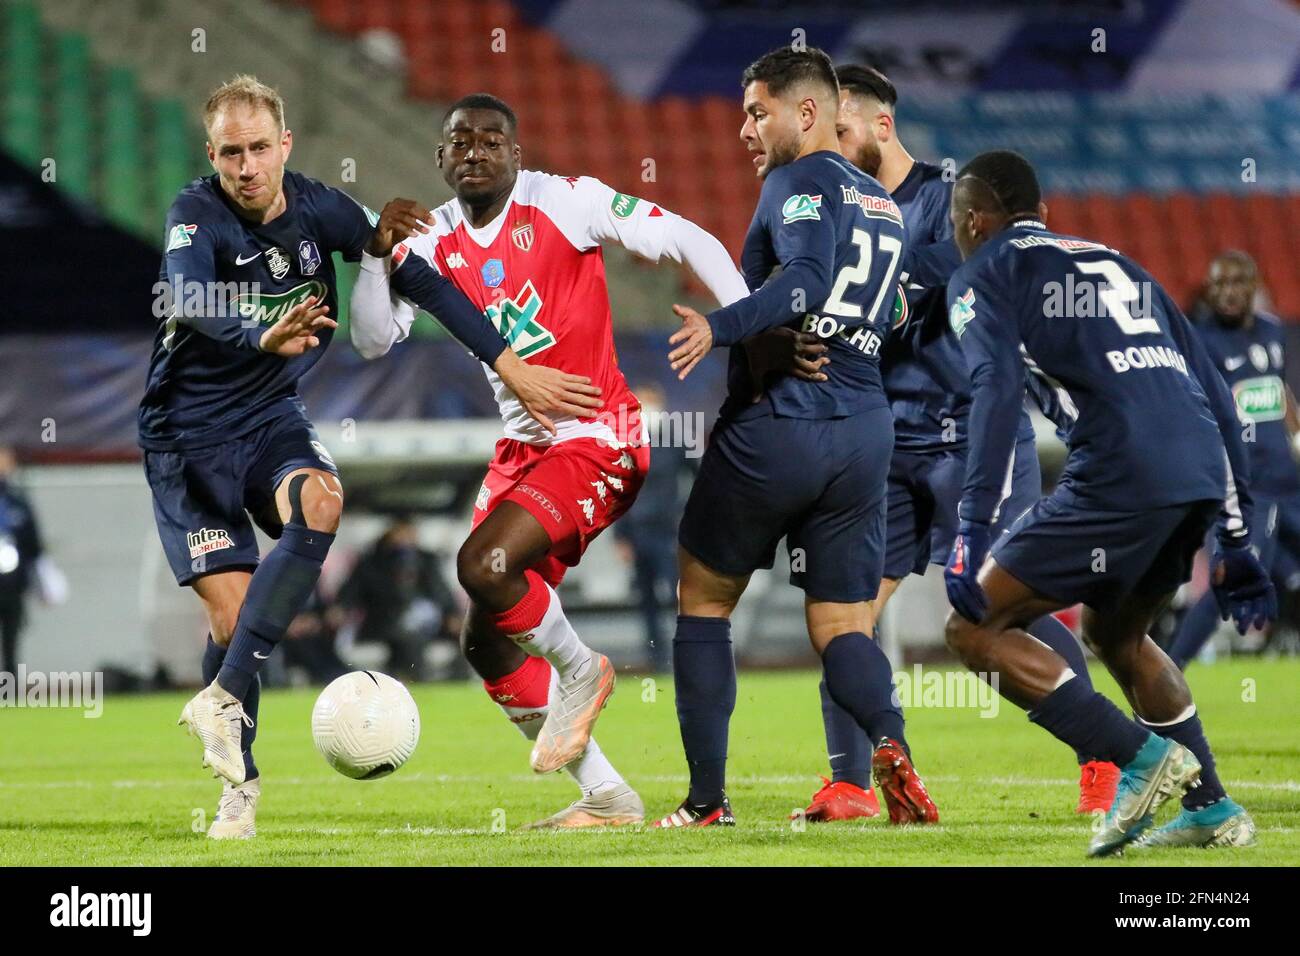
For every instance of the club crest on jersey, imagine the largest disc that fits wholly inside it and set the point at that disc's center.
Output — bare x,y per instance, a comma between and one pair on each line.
962,311
180,235
494,273
522,236
801,206
516,319
277,261
207,540
308,257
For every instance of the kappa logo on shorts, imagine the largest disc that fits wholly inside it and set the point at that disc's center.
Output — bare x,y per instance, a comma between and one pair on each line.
600,489
588,506
613,482
207,540
542,500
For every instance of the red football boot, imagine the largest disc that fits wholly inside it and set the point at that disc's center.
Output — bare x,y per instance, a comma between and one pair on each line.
1098,781
840,801
689,815
901,786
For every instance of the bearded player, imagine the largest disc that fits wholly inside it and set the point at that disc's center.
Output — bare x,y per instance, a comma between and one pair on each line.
526,247
808,462
1249,350
247,287
928,387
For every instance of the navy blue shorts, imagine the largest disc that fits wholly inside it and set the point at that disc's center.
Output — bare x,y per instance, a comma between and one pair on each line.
818,483
1075,554
203,497
924,489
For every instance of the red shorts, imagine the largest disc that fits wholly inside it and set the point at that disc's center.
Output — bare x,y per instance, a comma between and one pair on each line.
576,489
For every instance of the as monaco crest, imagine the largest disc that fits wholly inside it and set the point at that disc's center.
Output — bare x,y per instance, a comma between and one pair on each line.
522,236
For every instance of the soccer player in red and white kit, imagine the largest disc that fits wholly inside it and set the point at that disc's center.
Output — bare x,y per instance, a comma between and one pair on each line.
526,248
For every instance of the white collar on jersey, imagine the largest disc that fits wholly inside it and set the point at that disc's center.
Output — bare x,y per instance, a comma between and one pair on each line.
486,235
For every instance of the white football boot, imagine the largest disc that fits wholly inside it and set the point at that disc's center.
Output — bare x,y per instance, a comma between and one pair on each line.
217,718
237,812
614,806
572,715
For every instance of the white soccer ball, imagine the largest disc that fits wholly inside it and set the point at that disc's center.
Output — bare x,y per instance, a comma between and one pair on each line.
365,724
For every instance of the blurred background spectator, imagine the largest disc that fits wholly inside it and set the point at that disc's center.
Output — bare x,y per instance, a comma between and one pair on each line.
647,534
23,566
403,599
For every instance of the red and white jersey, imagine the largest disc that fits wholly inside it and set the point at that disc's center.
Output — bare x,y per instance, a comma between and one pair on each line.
538,272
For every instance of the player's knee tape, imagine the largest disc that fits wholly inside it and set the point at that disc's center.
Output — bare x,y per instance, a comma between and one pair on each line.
295,500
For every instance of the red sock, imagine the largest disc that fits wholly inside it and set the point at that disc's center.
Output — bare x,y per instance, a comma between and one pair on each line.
529,686
530,610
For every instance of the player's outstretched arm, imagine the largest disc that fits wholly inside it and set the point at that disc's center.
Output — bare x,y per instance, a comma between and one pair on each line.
378,321
190,260
990,343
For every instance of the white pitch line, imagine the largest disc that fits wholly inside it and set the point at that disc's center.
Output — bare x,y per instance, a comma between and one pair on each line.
1290,786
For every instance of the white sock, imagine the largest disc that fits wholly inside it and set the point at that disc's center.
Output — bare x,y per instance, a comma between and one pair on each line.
555,639
592,771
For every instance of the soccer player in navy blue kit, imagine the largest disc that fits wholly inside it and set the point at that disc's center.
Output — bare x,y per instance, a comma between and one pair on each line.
1249,350
1155,459
808,461
246,290
928,387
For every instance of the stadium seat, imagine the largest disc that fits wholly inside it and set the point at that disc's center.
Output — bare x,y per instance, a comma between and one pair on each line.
72,117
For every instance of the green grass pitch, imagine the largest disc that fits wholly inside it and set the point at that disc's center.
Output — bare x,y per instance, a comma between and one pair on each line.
127,788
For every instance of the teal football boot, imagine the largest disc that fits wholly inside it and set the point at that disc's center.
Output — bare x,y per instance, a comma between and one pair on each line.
1222,823
1161,769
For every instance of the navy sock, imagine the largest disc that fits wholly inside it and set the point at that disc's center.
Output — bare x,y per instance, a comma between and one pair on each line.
1061,639
1198,624
1190,734
213,656
248,734
1088,722
704,674
280,588
847,744
858,678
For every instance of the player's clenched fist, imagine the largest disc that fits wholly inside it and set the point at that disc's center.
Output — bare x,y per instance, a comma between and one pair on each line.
296,332
400,219
695,338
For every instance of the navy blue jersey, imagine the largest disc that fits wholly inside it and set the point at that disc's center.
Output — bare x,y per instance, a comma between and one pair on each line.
839,240
223,281
1154,419
924,372
1252,360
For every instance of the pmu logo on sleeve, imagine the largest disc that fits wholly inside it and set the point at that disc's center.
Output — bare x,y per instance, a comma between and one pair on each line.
74,909
207,540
